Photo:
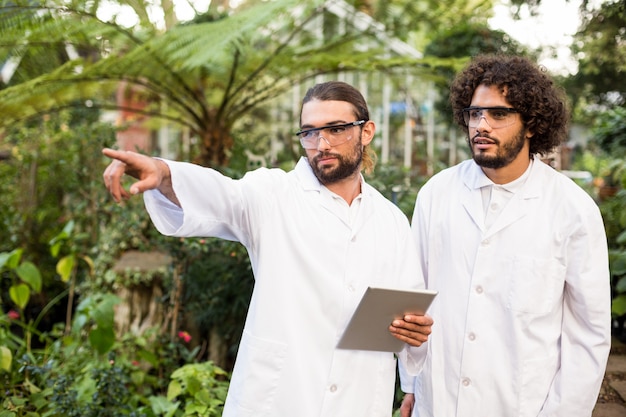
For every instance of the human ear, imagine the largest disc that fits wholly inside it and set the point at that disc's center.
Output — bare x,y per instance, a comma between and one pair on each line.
367,133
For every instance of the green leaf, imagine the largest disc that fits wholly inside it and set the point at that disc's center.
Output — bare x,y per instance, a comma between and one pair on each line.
203,397
618,308
65,266
621,285
4,257
11,259
57,241
196,409
174,389
138,377
32,388
29,273
103,313
6,357
162,406
80,320
55,248
149,357
193,385
69,227
20,294
102,339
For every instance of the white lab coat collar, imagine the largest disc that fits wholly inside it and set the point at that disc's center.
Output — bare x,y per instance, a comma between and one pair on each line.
309,182
474,178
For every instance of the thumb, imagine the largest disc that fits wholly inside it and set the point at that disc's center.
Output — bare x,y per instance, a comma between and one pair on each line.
142,186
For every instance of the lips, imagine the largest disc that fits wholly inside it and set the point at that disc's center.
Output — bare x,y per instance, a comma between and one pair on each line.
323,158
483,143
483,140
479,141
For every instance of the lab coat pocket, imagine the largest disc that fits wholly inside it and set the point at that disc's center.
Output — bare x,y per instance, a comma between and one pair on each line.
535,284
254,386
536,378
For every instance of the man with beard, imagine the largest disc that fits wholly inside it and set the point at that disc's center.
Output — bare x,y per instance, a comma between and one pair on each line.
317,237
518,254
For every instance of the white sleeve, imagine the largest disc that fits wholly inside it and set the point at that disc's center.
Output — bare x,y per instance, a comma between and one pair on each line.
586,334
410,362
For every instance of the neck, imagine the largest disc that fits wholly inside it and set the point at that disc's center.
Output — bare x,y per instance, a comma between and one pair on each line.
508,173
347,188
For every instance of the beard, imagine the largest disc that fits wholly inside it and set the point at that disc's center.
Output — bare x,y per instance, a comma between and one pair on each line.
505,153
348,164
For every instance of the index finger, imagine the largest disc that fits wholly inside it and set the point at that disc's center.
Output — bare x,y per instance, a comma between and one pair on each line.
123,156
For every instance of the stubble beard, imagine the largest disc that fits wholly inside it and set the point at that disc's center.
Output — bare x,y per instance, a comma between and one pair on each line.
505,153
347,165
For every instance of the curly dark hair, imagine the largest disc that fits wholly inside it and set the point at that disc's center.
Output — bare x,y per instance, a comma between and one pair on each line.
529,89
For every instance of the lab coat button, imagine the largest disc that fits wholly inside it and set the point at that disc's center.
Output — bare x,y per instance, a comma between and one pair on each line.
479,289
485,242
466,382
350,288
333,388
471,336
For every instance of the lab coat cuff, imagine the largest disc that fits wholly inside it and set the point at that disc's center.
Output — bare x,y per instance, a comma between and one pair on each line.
407,379
412,359
166,216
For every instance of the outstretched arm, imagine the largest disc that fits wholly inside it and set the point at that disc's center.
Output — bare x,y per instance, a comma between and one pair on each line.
152,174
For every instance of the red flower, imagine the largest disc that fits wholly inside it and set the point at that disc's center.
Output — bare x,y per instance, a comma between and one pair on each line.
13,315
185,336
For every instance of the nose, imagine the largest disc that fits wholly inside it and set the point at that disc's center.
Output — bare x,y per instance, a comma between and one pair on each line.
322,142
483,124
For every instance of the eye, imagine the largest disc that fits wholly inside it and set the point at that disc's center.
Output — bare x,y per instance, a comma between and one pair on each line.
475,113
307,134
499,114
337,130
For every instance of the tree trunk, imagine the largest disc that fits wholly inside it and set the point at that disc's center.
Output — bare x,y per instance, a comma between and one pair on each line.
216,143
218,350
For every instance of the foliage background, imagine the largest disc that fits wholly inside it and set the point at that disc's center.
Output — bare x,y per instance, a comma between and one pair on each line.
59,352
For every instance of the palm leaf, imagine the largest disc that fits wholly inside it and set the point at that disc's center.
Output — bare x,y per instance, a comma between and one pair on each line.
207,74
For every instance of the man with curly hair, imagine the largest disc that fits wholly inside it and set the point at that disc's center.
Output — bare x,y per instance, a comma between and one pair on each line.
518,254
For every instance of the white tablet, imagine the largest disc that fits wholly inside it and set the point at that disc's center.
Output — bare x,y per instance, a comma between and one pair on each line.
368,328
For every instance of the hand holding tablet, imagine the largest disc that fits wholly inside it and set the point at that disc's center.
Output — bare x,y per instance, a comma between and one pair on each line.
368,328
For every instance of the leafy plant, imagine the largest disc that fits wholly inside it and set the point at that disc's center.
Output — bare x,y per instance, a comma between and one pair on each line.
25,277
398,185
610,132
199,388
610,137
614,217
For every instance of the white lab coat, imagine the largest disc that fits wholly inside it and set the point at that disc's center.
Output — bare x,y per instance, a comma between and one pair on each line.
522,319
311,265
